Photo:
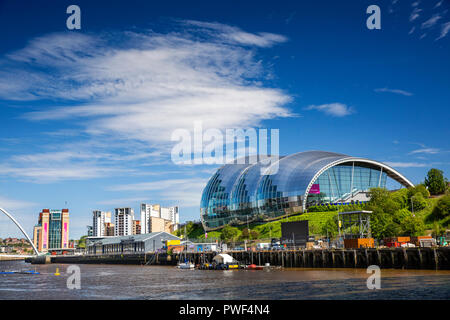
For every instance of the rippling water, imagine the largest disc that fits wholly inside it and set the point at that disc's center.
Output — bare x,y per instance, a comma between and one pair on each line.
158,282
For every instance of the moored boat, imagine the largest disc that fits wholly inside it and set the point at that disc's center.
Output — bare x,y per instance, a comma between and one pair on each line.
254,267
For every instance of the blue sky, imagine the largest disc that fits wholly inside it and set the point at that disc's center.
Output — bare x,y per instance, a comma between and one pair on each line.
87,115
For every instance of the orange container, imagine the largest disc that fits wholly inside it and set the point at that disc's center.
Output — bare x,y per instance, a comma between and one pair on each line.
403,239
359,243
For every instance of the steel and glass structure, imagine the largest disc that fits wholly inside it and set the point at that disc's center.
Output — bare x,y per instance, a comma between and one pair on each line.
238,193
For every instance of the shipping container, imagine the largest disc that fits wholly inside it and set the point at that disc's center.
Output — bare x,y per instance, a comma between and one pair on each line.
359,243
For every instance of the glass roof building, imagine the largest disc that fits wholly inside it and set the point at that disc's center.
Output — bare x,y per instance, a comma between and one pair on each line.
238,193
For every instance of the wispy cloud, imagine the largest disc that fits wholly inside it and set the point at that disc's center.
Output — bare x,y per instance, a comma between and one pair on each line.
235,35
426,150
186,192
445,28
438,4
415,14
14,204
332,109
50,173
406,164
431,22
129,88
398,91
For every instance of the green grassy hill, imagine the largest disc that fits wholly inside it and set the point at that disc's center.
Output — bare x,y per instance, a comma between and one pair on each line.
269,229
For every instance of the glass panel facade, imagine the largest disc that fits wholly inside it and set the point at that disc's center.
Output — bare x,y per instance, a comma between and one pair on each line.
54,233
344,182
239,193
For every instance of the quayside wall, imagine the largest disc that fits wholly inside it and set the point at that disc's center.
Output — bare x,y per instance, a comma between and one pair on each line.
397,258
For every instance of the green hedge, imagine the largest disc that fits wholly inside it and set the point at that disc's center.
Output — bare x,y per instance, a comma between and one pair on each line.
346,207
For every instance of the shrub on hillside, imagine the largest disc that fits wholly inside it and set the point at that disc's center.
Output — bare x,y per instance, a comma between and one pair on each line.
419,188
401,197
346,207
229,233
412,226
418,202
442,208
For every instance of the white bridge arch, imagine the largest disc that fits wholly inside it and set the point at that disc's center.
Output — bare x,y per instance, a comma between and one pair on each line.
21,229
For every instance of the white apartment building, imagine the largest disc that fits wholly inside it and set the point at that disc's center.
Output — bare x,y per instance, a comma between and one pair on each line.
155,210
123,221
98,222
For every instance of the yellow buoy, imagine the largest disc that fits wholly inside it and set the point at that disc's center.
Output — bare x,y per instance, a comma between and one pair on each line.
57,272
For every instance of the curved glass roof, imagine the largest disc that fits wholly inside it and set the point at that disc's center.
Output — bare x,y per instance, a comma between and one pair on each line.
296,171
238,191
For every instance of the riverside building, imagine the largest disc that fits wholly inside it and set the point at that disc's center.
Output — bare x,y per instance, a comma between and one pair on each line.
99,222
251,191
155,218
123,219
52,230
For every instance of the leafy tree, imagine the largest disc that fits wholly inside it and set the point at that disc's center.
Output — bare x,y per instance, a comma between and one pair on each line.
378,196
437,230
229,233
245,233
254,234
82,242
401,197
418,202
442,208
412,226
382,224
435,181
419,188
401,215
330,227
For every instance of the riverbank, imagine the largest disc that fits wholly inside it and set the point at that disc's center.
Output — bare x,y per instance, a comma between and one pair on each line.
386,258
168,282
10,258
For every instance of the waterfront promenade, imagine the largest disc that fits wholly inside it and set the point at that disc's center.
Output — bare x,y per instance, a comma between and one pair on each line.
12,257
396,258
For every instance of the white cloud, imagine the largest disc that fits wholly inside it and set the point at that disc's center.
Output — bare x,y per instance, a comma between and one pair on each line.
426,150
415,14
402,92
136,88
185,192
431,22
13,204
333,109
406,164
445,28
53,173
149,84
237,36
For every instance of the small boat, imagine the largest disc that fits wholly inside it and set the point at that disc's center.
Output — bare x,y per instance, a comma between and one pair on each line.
28,272
254,267
20,272
185,265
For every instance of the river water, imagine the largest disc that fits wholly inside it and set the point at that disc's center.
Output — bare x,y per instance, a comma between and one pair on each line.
162,282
